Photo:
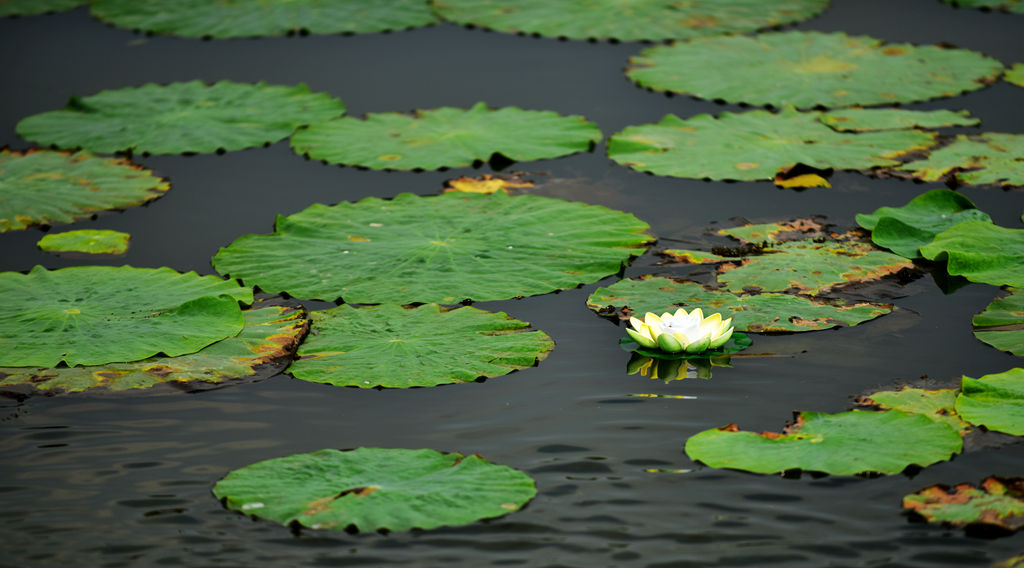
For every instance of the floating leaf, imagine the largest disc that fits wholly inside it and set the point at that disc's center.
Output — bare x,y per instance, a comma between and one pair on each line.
791,230
32,7
443,249
934,404
989,157
904,230
846,443
44,187
1015,74
861,120
91,315
396,347
181,117
980,252
999,502
263,348
1001,325
445,137
1014,6
89,241
487,183
375,489
807,69
755,145
994,401
757,313
802,180
694,256
636,21
253,18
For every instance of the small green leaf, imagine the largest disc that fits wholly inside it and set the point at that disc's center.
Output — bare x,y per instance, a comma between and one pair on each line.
694,256
861,120
904,230
998,502
980,252
89,241
989,157
994,401
1015,74
1001,325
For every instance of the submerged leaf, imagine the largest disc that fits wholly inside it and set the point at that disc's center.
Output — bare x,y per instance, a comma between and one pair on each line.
89,241
998,502
994,401
1001,325
980,252
371,489
904,230
989,157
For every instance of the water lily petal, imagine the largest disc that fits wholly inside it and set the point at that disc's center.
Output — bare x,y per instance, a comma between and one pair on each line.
669,343
698,346
642,339
721,340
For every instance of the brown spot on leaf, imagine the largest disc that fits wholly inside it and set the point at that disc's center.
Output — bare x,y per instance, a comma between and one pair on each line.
894,51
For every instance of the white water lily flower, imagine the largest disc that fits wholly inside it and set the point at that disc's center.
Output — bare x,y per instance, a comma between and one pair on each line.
681,331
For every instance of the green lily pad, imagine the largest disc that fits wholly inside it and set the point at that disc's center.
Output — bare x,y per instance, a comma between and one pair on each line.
989,157
904,230
862,120
1015,74
757,313
41,187
1001,325
694,256
263,348
634,21
375,489
395,347
808,69
257,18
181,117
89,241
32,7
934,404
980,252
1013,6
445,137
755,145
998,502
846,443
444,249
994,401
792,230
91,315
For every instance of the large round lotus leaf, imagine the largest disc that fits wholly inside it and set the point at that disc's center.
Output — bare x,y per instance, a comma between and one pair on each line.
904,230
628,21
396,347
994,401
262,348
808,69
445,249
755,145
997,502
181,117
1015,74
990,157
934,404
980,252
91,315
1014,6
445,137
32,7
846,443
44,187
863,119
88,241
1001,325
375,489
250,18
758,312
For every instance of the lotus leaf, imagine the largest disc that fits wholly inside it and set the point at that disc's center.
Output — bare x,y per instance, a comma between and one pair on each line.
1013,6
44,187
904,230
91,315
994,401
396,347
989,157
445,249
1001,325
934,404
181,117
861,120
32,7
445,137
1015,74
262,348
758,312
634,21
980,252
755,145
847,443
809,69
89,241
375,489
998,502
252,18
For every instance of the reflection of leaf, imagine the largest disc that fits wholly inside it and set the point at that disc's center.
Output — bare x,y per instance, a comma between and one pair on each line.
846,443
90,241
373,489
980,252
934,404
861,120
989,157
808,69
445,137
998,502
994,401
1001,325
32,7
904,230
757,313
443,249
632,21
392,346
262,348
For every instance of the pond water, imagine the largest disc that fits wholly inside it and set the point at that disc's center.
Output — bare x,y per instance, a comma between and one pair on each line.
125,481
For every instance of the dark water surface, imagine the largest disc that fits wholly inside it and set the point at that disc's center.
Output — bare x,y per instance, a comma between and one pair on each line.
125,481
